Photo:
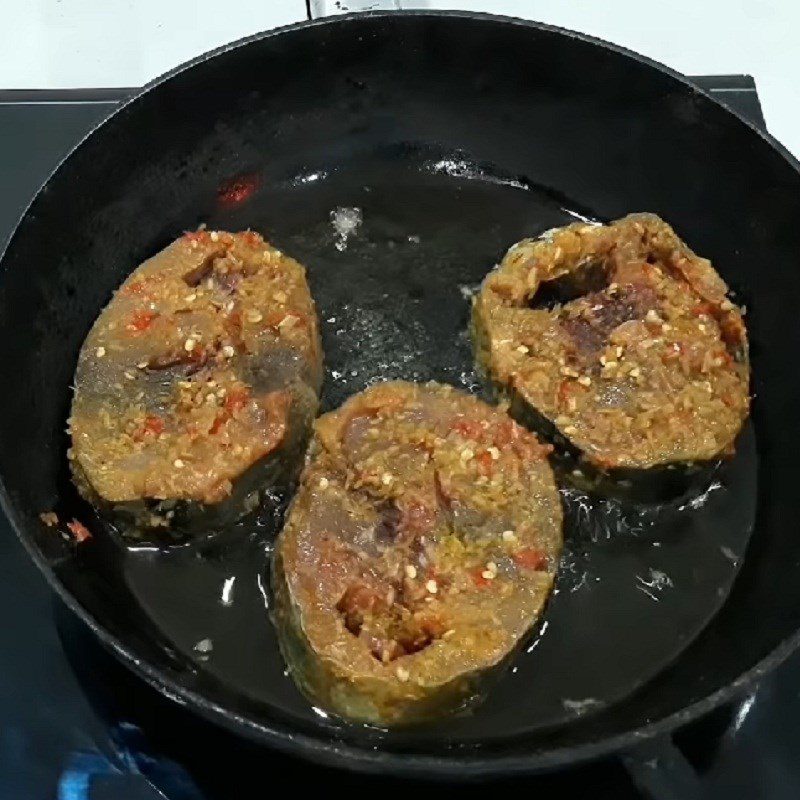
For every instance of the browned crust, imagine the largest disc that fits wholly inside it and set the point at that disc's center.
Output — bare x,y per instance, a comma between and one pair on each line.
650,369
420,549
194,372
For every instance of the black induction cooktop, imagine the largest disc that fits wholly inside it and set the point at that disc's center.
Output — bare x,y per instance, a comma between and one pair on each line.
75,725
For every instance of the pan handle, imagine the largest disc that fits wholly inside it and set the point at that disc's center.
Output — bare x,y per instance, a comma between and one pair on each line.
662,772
327,8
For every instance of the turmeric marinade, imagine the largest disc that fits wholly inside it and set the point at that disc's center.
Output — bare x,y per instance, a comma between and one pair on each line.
197,385
420,549
622,339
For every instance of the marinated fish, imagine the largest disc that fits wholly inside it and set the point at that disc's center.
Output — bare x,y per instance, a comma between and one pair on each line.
622,339
419,551
197,385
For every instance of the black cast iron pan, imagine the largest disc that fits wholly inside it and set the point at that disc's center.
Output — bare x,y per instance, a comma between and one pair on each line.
454,135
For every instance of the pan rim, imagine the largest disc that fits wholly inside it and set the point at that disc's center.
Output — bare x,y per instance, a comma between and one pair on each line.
323,748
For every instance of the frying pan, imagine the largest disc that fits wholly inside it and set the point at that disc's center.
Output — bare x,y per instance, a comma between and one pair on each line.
453,134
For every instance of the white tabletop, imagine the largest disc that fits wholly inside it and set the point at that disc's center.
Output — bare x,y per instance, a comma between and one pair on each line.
107,43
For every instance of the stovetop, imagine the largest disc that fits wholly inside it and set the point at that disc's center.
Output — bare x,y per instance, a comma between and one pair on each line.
75,725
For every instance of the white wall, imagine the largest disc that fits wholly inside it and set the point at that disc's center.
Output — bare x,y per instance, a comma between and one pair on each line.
64,43
68,43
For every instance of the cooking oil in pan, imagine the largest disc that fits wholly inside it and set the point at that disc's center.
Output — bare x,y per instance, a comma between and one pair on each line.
395,248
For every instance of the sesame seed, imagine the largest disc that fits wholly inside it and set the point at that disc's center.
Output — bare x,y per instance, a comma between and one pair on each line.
491,566
280,297
214,236
431,586
466,454
129,375
100,352
188,345
570,430
619,351
493,452
569,372
402,674
411,571
178,463
585,380
702,328
488,575
522,349
228,351
142,365
509,536
635,372
190,298
323,483
652,316
254,316
447,634
211,398
386,478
